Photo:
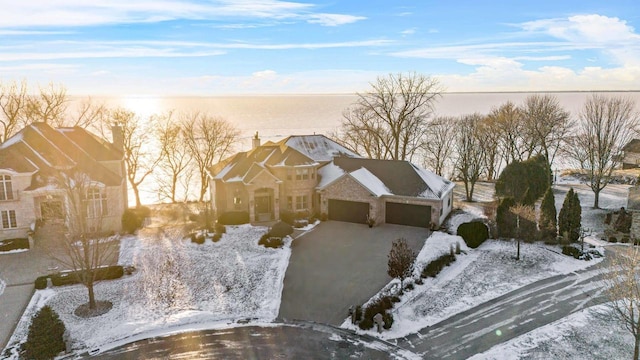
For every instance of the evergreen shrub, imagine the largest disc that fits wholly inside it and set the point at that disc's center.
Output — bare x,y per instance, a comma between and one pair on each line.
46,335
474,233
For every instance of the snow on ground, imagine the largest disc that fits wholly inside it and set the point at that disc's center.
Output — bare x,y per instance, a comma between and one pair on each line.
481,274
179,283
475,277
2,286
15,251
587,334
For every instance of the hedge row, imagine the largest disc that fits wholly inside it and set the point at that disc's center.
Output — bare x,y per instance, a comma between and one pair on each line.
433,268
14,244
73,277
234,218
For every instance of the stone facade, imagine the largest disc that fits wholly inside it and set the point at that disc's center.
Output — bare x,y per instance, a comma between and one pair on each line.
346,188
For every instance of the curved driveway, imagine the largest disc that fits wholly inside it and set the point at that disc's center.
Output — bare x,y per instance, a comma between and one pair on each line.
337,265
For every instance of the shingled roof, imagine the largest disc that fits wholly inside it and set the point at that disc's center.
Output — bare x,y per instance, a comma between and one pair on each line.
295,151
400,178
632,146
40,148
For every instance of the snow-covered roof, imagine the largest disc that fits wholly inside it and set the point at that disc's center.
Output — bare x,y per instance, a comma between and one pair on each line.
318,147
387,177
371,182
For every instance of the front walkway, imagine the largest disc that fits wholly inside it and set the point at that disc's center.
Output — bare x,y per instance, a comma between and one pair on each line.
338,265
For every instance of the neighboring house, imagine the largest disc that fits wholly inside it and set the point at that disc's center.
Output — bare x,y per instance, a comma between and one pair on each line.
315,174
631,154
29,164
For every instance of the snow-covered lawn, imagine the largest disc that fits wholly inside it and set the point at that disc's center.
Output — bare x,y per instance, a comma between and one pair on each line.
2,286
176,283
587,334
475,277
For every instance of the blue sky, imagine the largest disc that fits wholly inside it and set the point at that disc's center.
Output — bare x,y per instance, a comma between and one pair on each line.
172,47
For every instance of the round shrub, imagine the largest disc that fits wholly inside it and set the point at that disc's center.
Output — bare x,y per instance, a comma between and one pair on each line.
132,219
46,335
41,282
234,218
281,229
474,233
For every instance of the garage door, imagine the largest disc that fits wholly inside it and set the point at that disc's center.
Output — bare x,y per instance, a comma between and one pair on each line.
407,214
349,211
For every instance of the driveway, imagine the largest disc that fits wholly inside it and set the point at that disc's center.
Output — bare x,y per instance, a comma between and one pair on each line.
337,265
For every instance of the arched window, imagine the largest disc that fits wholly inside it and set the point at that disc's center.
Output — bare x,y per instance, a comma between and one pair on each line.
6,189
96,203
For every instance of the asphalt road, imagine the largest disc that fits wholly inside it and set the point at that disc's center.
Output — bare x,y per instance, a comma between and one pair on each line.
338,265
280,341
478,329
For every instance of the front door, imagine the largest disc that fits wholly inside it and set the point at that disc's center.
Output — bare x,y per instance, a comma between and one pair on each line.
263,206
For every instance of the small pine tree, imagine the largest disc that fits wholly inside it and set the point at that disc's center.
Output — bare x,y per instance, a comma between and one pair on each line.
45,339
401,259
548,222
570,217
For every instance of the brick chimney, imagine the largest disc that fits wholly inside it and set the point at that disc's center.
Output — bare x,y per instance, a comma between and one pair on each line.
255,142
118,137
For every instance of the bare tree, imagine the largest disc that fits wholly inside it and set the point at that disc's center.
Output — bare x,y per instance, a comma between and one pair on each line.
469,164
438,144
209,139
360,132
175,158
509,122
89,115
13,100
85,247
547,125
48,106
489,135
139,157
401,261
623,291
392,115
607,124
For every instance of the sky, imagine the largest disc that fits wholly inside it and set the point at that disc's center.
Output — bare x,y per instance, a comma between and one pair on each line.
229,47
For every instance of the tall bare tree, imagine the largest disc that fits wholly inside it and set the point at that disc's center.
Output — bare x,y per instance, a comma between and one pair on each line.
209,139
623,290
175,158
547,125
139,156
359,132
89,114
13,101
607,124
489,134
438,144
85,247
509,121
469,163
48,106
393,115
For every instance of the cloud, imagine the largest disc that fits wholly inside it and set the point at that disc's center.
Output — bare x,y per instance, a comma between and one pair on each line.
408,31
71,13
333,19
264,74
56,50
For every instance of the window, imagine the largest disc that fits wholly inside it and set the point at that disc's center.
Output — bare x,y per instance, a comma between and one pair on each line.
302,174
96,203
237,200
9,219
301,202
6,189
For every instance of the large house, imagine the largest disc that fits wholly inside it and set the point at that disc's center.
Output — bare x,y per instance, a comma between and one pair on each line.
314,174
31,164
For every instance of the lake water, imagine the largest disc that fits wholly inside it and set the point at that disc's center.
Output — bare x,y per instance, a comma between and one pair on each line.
278,116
